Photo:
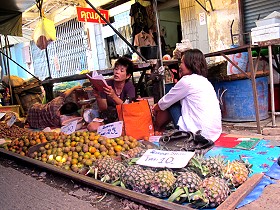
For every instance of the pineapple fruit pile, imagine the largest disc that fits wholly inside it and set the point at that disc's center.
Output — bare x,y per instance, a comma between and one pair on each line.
203,183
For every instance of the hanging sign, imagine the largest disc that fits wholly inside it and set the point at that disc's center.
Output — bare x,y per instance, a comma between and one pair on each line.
89,15
168,159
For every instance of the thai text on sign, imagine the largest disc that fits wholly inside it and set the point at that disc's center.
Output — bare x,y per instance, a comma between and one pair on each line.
90,15
162,159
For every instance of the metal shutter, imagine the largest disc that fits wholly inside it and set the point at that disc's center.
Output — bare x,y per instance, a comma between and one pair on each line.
253,8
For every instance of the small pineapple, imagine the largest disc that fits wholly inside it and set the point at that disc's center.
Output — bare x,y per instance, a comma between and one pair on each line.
215,165
188,179
206,167
137,179
162,184
186,182
134,153
237,172
213,191
109,169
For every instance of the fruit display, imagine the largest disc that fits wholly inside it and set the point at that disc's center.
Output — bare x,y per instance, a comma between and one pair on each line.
26,140
12,132
82,149
205,182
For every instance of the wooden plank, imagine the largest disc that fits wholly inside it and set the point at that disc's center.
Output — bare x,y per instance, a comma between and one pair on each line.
89,181
235,198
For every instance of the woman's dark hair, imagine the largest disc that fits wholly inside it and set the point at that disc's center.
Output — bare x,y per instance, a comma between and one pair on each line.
69,108
123,61
195,62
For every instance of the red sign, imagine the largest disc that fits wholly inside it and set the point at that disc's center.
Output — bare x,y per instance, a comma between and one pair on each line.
89,15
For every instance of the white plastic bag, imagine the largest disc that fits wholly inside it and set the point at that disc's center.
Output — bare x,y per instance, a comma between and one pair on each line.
44,33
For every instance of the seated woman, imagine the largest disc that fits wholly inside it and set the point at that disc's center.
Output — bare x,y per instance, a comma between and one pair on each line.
119,89
192,103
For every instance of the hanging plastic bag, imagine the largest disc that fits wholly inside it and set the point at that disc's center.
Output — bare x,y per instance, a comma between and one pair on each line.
44,33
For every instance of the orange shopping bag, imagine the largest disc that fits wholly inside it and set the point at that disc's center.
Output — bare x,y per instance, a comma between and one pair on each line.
137,119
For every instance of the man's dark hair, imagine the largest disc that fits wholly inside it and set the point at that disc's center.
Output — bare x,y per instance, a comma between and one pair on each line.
195,61
123,61
69,108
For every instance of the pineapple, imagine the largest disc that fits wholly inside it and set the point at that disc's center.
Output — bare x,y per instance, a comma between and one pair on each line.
188,179
134,153
213,191
137,179
206,167
109,169
215,165
186,182
162,184
237,172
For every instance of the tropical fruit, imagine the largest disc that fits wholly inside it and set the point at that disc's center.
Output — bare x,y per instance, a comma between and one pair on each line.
186,183
162,184
137,179
213,191
108,169
190,180
236,172
206,167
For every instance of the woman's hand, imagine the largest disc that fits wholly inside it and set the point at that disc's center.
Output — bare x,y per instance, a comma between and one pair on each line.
110,92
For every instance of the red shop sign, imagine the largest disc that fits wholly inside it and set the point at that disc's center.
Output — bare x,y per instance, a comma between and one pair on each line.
89,15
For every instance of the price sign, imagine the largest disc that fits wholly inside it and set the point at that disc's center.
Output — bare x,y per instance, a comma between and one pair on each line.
11,121
111,130
2,115
168,159
69,128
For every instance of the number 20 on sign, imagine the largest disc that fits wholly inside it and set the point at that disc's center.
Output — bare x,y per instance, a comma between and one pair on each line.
168,159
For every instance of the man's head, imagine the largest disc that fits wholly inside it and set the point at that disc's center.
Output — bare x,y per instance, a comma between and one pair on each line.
69,108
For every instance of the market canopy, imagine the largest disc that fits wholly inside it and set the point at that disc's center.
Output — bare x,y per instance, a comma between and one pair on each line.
11,16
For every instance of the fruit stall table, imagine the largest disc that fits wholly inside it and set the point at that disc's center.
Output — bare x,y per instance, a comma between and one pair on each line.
260,165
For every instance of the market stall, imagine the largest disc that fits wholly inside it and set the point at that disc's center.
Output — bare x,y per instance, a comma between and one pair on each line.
50,152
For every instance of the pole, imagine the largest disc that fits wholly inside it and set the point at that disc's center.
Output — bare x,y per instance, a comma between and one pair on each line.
8,68
48,62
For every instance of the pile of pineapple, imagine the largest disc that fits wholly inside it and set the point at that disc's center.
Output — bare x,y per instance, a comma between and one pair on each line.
204,182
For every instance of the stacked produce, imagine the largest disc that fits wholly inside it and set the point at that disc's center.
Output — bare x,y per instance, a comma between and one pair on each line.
21,144
204,182
82,149
12,132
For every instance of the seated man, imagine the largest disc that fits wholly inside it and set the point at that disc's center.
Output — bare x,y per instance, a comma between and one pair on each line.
48,115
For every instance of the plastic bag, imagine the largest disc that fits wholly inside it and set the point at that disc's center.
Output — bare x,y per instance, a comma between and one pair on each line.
44,33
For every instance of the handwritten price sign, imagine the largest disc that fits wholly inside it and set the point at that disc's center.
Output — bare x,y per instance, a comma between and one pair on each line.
11,121
111,130
168,159
69,128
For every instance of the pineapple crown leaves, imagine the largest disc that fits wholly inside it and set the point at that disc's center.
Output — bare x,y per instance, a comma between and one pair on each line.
180,195
246,163
199,199
197,165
